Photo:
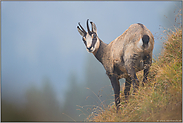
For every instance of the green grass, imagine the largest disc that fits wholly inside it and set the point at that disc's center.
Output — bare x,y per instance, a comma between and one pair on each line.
161,98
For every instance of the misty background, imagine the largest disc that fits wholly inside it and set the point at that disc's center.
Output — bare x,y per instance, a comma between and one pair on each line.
46,72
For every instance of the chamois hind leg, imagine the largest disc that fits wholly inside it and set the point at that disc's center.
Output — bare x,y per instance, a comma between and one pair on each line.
116,87
127,88
133,76
147,64
146,72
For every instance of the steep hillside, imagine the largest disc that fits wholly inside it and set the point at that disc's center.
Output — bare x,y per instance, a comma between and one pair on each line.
161,98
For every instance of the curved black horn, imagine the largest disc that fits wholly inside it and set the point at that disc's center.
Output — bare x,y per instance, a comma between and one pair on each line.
82,28
88,27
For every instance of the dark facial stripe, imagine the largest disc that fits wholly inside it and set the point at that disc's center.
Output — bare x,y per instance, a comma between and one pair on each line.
94,40
84,42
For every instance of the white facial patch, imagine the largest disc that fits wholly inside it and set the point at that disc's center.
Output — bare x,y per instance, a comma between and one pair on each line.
88,41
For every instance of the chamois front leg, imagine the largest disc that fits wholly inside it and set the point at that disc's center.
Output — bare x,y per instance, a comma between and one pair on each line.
116,87
127,88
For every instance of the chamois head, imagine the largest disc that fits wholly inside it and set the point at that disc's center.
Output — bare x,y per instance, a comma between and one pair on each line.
89,38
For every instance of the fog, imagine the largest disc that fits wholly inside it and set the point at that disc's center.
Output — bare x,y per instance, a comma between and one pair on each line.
46,72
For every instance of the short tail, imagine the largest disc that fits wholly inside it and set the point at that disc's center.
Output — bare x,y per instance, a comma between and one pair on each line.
145,40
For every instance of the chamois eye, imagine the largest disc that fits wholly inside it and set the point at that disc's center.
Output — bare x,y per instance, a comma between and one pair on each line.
94,36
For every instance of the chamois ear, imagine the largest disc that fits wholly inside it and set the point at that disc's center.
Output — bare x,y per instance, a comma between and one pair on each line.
94,28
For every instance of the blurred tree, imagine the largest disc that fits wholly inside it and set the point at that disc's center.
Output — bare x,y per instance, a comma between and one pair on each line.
42,104
73,97
97,81
10,112
82,97
172,17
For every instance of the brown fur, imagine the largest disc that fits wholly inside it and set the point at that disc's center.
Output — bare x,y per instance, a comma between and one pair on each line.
123,57
113,53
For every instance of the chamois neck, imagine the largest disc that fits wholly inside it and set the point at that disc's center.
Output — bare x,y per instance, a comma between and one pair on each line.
99,53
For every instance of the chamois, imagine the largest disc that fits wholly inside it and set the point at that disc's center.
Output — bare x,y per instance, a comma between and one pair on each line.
123,57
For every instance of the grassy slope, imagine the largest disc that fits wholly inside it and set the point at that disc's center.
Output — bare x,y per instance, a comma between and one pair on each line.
161,98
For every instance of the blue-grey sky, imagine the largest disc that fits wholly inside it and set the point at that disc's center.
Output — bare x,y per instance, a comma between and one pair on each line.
40,39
